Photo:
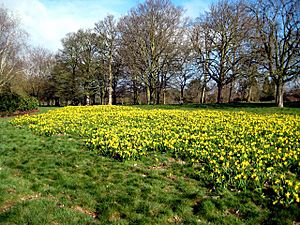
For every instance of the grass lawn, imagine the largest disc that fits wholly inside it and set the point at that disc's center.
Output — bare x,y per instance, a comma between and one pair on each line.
56,180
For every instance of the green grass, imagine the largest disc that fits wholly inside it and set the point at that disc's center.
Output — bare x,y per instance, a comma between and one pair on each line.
290,108
56,180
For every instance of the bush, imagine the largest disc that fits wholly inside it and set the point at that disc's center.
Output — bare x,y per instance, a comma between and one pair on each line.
28,103
10,103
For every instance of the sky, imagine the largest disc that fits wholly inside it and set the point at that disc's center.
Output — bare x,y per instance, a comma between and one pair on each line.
48,21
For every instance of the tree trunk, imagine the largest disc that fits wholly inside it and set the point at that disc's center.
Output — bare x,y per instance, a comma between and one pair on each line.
279,93
230,91
135,96
157,96
114,94
164,88
110,85
148,95
158,88
93,99
101,95
152,99
56,101
220,89
249,94
181,94
135,91
276,93
164,96
88,99
203,89
202,94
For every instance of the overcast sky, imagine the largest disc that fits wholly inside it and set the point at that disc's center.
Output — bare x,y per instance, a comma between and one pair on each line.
48,21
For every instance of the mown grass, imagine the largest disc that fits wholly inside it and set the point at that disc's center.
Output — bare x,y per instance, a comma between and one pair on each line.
56,180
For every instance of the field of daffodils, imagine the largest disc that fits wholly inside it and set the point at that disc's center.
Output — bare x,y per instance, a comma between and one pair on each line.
238,150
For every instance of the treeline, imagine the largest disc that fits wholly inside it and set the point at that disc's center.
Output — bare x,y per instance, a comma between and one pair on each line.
237,51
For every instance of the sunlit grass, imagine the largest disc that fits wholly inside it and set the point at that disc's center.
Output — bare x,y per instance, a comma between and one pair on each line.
48,180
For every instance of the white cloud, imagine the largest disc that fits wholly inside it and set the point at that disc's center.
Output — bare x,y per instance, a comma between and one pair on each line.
48,22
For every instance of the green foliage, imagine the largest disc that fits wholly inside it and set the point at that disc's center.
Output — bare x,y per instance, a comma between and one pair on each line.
10,103
28,103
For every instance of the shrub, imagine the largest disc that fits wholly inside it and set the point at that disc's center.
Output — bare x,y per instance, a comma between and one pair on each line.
28,103
10,103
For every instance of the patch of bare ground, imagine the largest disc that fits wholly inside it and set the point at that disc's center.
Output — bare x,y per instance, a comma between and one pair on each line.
164,165
85,211
114,217
161,166
179,161
175,219
233,212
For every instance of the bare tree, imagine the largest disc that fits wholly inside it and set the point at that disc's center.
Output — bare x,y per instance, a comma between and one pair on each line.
132,53
202,50
67,69
87,65
228,26
149,38
183,67
39,65
278,27
108,36
12,42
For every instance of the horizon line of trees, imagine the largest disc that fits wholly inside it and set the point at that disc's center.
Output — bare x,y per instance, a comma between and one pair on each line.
238,50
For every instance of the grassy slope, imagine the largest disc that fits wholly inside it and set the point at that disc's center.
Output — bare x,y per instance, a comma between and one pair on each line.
55,180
